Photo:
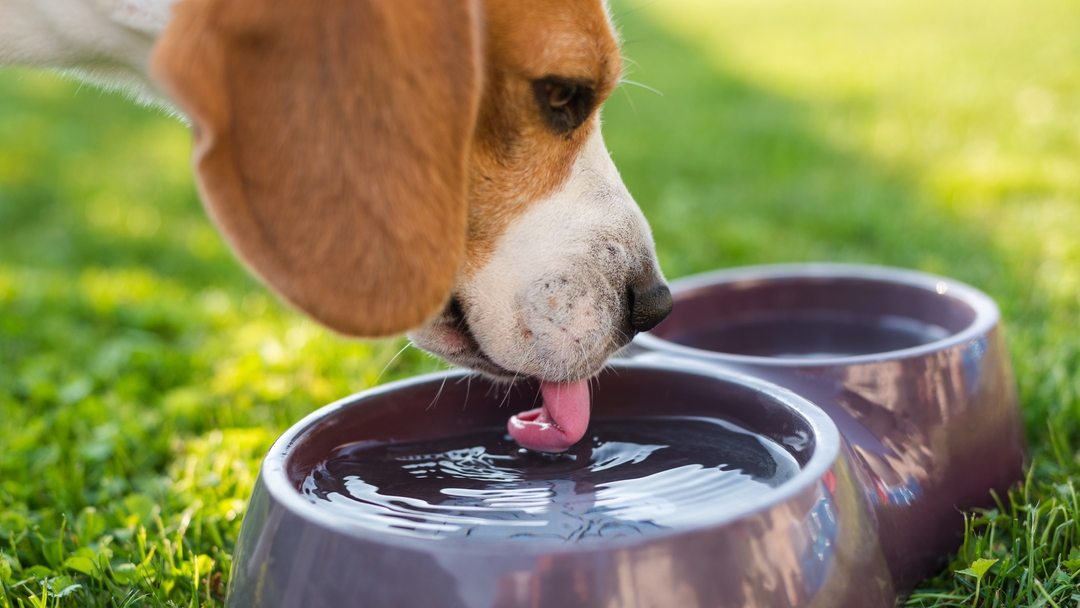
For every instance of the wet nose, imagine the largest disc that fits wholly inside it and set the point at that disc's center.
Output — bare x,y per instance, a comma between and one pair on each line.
649,305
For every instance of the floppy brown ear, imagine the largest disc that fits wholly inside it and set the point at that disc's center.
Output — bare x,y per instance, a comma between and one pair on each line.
331,142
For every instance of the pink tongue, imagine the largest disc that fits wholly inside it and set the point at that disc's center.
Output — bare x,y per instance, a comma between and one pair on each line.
559,423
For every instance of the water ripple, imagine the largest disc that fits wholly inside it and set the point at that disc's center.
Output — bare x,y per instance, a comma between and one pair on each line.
628,477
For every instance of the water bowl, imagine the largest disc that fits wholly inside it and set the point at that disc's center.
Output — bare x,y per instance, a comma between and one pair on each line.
911,367
695,486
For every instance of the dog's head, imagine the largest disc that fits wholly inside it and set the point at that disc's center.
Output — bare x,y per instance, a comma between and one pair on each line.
559,268
426,166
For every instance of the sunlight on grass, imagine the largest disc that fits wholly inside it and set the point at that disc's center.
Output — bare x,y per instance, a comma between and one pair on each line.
977,106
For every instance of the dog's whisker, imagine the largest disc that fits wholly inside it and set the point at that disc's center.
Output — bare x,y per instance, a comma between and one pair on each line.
628,337
437,394
584,356
638,84
468,389
611,367
630,100
408,343
506,397
635,9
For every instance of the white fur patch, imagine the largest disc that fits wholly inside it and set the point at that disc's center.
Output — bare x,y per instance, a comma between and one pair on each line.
552,301
107,42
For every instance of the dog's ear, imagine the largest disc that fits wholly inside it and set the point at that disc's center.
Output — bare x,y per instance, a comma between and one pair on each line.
331,145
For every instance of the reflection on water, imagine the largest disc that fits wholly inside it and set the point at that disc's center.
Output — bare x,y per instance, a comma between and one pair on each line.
628,477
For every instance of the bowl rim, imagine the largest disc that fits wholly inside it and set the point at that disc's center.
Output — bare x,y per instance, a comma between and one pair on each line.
276,482
987,313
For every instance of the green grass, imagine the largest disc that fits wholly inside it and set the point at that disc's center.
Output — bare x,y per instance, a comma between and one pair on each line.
143,373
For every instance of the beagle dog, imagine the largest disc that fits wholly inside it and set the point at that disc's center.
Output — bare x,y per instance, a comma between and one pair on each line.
432,167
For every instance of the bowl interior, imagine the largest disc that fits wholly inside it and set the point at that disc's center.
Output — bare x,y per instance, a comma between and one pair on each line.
816,316
447,405
456,403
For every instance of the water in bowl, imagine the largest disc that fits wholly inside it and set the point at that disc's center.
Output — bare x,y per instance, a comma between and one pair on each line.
813,335
626,478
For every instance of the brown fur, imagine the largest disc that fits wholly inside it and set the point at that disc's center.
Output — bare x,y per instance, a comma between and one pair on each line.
516,159
359,154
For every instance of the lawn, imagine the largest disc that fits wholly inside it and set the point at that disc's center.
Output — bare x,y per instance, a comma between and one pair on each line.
143,372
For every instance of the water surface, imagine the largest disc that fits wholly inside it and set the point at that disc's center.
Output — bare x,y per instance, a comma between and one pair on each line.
626,478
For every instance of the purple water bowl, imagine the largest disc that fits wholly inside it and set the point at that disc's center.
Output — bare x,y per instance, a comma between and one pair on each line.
912,368
811,540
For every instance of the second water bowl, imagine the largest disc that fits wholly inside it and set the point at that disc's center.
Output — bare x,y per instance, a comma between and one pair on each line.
911,367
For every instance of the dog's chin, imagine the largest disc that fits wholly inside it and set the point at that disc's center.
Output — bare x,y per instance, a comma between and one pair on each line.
450,337
459,347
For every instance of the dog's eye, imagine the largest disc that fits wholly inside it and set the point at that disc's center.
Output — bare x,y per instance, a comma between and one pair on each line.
565,104
561,94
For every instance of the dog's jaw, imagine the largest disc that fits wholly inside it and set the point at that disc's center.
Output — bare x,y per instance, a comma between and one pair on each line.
552,300
449,336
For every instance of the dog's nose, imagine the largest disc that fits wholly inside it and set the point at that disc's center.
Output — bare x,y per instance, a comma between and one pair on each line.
649,305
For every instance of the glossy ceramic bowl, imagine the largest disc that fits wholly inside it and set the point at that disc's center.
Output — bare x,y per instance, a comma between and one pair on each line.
811,541
911,367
